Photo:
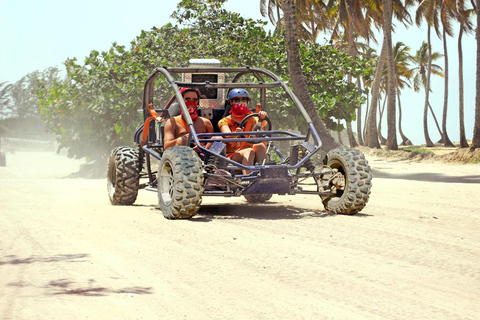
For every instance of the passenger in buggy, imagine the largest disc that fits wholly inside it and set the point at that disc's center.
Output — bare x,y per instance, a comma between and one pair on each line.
176,130
242,152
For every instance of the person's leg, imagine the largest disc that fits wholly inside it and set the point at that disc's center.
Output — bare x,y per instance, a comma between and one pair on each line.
245,157
260,151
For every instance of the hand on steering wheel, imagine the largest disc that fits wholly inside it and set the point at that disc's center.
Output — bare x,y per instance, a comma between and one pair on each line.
259,127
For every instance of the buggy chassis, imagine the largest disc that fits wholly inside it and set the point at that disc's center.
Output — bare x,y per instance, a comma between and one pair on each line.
342,180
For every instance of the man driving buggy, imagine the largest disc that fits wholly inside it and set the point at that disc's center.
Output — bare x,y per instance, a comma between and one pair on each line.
243,152
176,129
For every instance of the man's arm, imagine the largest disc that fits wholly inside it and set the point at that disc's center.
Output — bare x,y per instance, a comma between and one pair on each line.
208,129
169,135
208,126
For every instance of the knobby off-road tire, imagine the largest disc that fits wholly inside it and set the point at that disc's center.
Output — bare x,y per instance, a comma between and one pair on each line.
180,185
351,163
257,198
123,177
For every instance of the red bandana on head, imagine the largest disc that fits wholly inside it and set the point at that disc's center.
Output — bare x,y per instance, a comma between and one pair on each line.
240,110
192,110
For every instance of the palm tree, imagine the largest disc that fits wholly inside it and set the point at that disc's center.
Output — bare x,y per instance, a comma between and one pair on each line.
447,10
371,136
467,27
271,9
403,74
381,112
391,107
423,61
369,54
349,20
476,128
428,10
400,11
347,17
311,17
296,75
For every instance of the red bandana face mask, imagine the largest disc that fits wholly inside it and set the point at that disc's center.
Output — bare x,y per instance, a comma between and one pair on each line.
240,110
192,109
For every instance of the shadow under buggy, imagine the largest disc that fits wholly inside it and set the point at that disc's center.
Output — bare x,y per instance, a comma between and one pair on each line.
181,176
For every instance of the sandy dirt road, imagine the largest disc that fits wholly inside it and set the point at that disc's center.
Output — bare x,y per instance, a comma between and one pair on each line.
66,253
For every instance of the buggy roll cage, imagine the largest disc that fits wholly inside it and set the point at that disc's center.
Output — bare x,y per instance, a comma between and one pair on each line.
254,136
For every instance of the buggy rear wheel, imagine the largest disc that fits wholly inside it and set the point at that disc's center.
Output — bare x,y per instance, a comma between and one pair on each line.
123,177
180,183
257,198
352,182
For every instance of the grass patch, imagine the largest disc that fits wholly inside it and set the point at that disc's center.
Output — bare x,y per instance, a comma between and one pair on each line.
417,150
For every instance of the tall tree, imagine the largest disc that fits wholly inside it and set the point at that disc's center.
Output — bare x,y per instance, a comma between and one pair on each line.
369,54
428,11
391,106
381,111
371,136
423,60
447,10
359,117
465,27
295,70
403,75
476,128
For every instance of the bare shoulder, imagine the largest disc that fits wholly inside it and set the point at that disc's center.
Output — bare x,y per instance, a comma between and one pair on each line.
170,122
205,120
206,125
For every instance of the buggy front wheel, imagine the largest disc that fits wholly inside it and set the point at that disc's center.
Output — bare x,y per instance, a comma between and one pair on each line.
180,183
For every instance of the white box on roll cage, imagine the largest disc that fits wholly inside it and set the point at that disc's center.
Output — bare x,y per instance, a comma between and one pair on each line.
212,98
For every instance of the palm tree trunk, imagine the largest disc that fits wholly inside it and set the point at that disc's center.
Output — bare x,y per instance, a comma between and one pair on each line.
436,121
463,139
446,139
366,118
351,52
372,133
428,141
391,106
476,128
339,133
405,140
359,117
383,141
351,137
296,75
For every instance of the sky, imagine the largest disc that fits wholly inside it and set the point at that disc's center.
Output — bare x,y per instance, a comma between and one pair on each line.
35,35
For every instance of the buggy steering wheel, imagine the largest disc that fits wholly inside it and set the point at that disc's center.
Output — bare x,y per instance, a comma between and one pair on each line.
258,126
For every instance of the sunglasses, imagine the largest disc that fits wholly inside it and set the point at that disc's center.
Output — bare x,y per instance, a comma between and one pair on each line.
190,99
240,99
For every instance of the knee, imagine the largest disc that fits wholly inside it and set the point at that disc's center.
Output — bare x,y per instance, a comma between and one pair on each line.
259,147
250,152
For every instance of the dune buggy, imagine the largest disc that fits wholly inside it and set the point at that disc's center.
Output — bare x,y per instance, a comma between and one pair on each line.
182,176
